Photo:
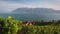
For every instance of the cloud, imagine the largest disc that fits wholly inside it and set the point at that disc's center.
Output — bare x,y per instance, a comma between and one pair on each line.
10,6
34,1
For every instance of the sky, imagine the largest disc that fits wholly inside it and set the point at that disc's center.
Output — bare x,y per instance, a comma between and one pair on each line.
10,5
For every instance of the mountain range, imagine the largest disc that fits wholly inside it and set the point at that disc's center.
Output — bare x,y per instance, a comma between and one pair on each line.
34,10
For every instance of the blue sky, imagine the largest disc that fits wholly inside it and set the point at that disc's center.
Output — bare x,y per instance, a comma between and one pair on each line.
10,5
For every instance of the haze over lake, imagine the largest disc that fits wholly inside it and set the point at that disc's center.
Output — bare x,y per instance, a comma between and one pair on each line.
45,17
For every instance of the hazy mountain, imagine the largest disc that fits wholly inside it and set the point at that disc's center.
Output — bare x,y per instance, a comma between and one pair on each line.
35,10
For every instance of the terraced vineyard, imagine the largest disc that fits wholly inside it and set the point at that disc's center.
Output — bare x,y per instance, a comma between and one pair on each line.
40,30
10,25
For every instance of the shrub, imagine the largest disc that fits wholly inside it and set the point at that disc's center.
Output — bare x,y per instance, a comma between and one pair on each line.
8,25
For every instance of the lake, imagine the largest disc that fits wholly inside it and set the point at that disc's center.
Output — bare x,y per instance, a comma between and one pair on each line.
41,16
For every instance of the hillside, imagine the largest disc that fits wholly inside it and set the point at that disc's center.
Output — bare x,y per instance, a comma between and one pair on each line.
34,10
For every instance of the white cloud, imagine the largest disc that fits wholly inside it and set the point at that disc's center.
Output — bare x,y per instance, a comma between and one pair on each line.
8,6
11,6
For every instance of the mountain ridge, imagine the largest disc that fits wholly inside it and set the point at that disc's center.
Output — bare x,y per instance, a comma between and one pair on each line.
34,10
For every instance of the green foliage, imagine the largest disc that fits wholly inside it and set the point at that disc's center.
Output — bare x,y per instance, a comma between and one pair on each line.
40,30
12,26
8,25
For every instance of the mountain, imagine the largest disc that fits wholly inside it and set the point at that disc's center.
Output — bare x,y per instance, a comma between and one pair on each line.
34,10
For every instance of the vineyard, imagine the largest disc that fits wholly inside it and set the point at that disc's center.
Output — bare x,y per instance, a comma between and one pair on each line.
40,30
10,25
